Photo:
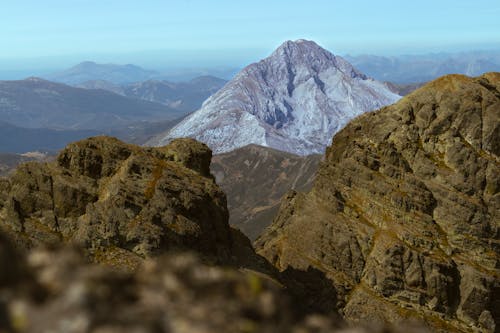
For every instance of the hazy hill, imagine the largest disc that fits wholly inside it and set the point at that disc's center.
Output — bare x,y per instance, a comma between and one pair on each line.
37,103
101,84
404,89
186,96
423,68
255,178
91,71
15,139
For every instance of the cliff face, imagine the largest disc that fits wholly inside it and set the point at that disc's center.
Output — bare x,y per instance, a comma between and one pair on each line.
404,214
121,202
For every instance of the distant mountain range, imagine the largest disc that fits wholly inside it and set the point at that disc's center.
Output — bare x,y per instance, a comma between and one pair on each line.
183,96
423,68
37,103
125,74
39,115
294,100
91,71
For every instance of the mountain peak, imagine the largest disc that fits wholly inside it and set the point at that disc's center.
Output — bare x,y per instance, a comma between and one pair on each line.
301,48
294,100
300,43
308,53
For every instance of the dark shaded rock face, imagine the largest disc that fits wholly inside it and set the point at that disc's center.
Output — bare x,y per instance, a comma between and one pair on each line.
405,211
121,202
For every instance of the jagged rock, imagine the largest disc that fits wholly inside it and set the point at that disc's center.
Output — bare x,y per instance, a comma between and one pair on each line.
404,216
120,201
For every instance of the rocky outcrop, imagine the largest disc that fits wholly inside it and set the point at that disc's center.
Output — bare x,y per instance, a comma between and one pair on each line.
255,178
121,202
404,214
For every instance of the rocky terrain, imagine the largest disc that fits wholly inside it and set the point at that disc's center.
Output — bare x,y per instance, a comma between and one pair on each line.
121,203
255,178
57,290
294,101
96,241
400,226
404,215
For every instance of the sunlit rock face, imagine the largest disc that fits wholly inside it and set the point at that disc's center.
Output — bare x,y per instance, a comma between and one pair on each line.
294,101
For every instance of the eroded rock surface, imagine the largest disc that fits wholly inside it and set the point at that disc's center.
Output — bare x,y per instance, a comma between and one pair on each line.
404,215
121,202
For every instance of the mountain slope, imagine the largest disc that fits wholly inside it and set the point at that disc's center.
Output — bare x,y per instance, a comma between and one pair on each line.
186,96
15,139
404,215
293,101
36,103
255,178
123,203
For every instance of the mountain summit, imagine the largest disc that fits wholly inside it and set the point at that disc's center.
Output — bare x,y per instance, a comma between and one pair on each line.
294,100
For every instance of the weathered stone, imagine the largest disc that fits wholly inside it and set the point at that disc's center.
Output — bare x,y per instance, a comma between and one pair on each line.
121,202
406,206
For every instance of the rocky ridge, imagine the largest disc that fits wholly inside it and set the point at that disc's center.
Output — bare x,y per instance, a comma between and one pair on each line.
404,214
121,202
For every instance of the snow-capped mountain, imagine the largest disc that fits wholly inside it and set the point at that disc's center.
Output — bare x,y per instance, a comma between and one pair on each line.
295,100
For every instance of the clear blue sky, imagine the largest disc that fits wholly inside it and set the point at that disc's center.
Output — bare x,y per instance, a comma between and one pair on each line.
240,30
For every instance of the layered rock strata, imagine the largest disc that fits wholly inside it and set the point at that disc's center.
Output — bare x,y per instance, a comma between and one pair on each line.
404,214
